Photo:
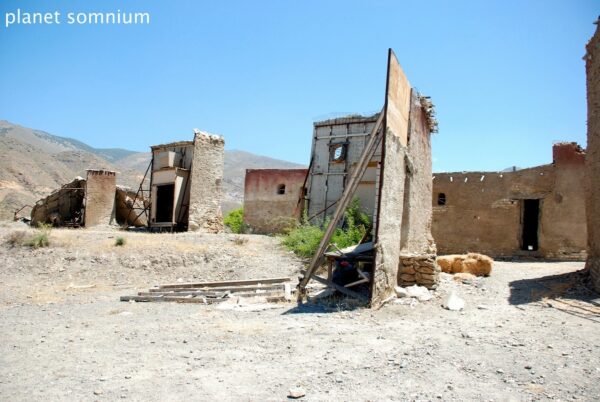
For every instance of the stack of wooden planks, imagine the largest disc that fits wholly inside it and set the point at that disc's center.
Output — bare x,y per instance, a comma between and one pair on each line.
272,289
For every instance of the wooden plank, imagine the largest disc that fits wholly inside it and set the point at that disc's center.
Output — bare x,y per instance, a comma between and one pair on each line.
357,173
220,288
212,295
198,300
225,283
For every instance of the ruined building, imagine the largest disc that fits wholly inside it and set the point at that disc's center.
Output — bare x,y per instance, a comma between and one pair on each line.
534,212
273,199
95,200
593,158
337,145
185,184
395,187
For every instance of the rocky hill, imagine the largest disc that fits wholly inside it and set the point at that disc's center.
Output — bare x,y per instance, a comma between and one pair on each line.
35,162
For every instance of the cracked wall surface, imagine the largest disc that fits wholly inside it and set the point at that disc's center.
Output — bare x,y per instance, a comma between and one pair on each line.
205,183
593,158
101,186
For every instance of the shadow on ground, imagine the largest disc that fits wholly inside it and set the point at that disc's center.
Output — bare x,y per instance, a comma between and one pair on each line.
564,292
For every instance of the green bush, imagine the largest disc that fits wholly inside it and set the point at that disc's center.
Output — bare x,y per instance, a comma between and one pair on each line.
41,238
235,220
120,241
304,239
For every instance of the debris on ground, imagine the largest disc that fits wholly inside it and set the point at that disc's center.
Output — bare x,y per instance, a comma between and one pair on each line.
453,302
271,289
421,293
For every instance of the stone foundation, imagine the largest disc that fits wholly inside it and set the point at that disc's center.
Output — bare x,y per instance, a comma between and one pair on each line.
418,270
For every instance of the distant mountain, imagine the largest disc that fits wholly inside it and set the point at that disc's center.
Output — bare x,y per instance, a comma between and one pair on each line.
34,163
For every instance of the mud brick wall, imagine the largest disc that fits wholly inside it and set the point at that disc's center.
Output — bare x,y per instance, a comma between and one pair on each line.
205,183
483,211
593,158
101,186
418,270
266,210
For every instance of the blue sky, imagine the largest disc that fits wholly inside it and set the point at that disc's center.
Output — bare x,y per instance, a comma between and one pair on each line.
507,77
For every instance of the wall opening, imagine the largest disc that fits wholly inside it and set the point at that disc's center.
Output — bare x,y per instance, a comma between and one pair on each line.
441,199
281,189
338,152
531,217
165,195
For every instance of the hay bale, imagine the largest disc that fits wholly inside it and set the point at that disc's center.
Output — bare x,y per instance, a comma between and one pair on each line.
445,262
472,263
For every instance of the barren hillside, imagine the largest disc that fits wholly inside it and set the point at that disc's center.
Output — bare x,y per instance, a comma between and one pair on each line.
35,162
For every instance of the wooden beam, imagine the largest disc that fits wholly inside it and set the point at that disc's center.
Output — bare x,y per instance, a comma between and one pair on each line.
225,283
361,167
220,288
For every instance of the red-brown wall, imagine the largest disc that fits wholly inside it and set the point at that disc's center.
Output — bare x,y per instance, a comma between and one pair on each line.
266,211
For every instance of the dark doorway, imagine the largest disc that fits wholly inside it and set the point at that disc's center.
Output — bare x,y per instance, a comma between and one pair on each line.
164,202
531,218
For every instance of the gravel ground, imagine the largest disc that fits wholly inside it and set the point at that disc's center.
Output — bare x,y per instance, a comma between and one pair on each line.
528,332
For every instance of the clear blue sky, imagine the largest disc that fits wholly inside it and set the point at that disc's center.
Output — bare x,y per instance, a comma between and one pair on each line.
507,77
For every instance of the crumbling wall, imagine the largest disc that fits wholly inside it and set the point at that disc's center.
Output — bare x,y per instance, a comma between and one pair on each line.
127,212
100,191
593,158
205,183
417,259
483,211
272,199
63,207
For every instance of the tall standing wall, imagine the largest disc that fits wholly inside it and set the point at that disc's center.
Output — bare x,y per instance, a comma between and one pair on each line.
205,184
593,158
101,186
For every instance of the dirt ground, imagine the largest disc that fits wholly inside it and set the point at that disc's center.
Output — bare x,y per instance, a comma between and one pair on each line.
528,332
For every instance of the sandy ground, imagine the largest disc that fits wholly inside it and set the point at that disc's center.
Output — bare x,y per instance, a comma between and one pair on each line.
528,332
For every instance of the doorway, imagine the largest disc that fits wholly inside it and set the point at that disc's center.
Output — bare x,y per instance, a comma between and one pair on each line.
531,218
165,195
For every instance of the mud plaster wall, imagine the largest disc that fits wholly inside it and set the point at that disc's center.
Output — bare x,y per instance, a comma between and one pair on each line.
417,258
417,213
267,211
483,210
101,186
205,184
393,171
593,158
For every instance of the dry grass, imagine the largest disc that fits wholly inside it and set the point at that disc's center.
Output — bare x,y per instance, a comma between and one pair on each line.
16,238
239,241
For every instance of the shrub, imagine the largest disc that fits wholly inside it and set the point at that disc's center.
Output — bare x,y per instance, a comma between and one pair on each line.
120,241
16,238
235,220
41,238
304,239
239,241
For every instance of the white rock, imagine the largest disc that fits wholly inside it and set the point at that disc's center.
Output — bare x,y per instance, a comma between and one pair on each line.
453,302
296,393
400,291
420,293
